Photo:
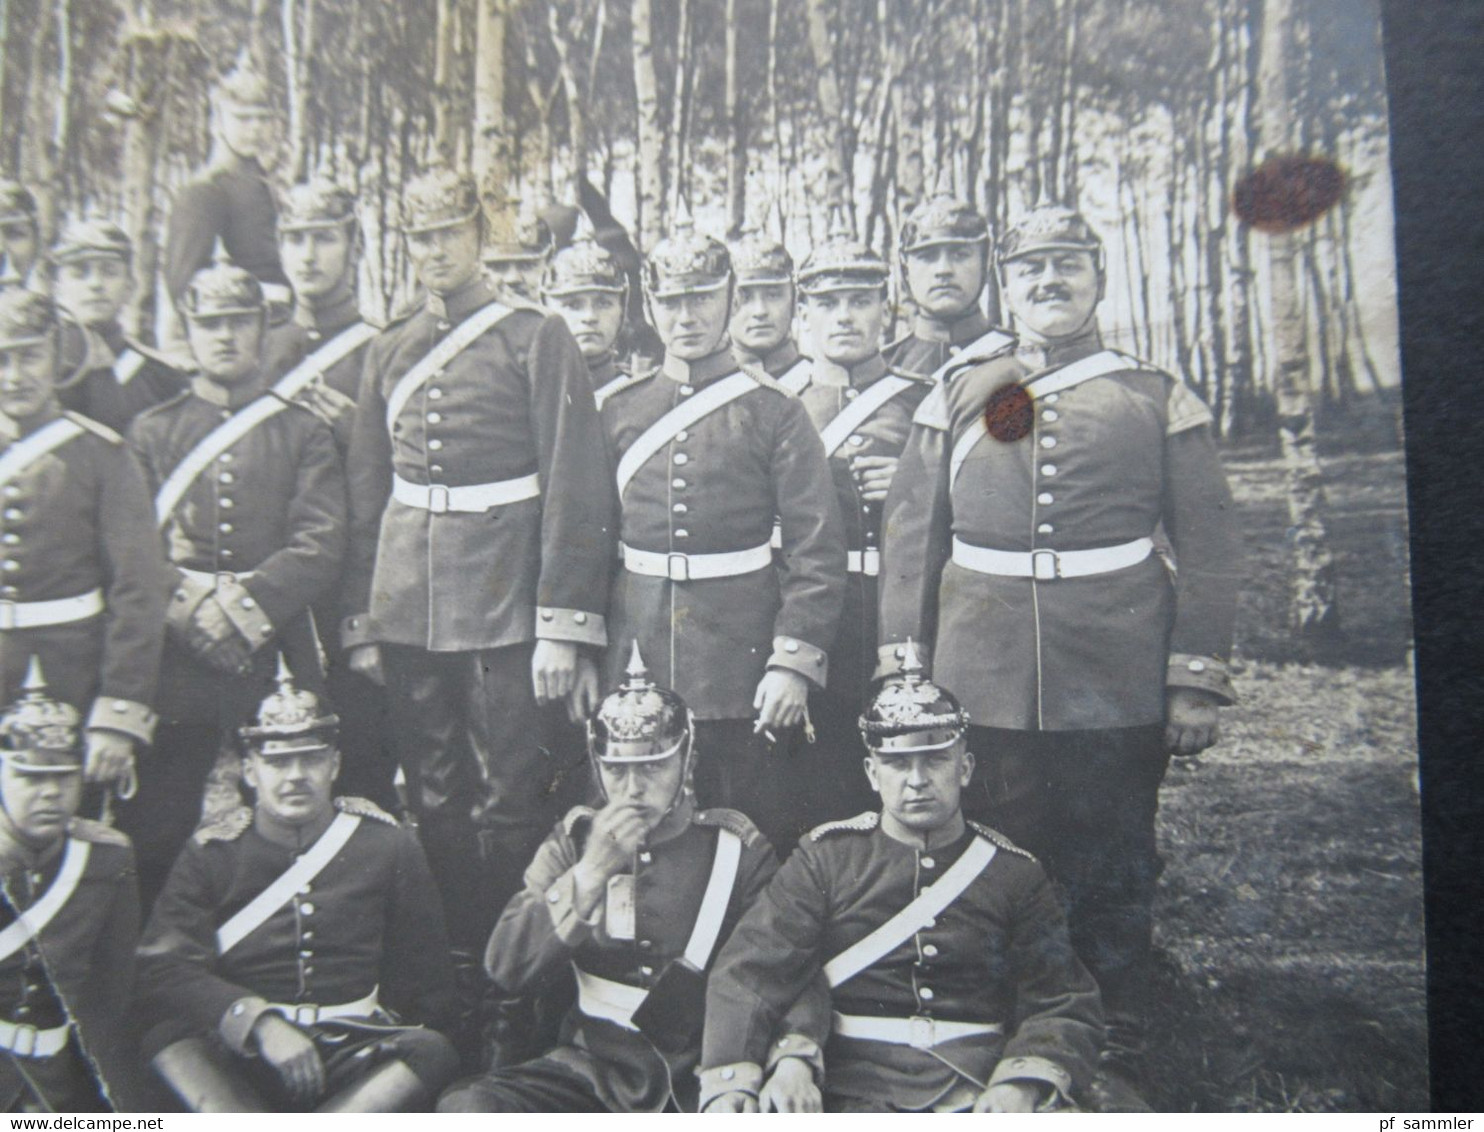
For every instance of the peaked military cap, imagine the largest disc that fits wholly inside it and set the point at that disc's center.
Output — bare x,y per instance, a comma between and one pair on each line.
841,263
91,238
686,262
290,720
758,258
911,713
440,198
584,266
25,317
514,235
317,203
222,288
639,722
16,202
40,735
1049,228
943,219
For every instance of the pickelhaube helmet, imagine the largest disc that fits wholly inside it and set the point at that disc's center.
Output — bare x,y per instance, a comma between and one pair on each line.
222,288
316,203
686,262
943,218
758,258
25,317
517,236
16,202
439,198
911,713
40,735
1049,228
640,722
841,263
245,84
290,720
584,266
91,238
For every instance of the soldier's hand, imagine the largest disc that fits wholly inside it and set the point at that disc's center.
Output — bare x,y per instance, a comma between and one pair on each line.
1009,1096
791,1088
110,756
874,475
365,660
293,1057
582,701
615,837
780,701
553,670
733,1102
1191,723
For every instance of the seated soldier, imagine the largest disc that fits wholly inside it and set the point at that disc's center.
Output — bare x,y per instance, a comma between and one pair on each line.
286,937
68,922
635,897
954,984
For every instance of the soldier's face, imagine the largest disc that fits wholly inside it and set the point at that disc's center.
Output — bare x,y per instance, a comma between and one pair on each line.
18,242
518,278
846,325
921,789
593,317
762,315
93,290
446,258
226,346
945,279
650,787
28,378
1054,293
249,131
39,806
293,789
694,324
316,260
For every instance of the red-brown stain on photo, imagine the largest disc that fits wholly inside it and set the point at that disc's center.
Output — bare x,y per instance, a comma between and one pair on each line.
1285,193
1007,413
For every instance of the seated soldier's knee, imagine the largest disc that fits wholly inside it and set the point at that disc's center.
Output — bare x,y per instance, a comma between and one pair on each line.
431,1057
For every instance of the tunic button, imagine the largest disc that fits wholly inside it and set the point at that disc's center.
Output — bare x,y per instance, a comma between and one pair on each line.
11,491
547,615
226,477
647,972
1045,529
308,935
782,1043
120,706
308,970
11,538
225,458
248,603
444,324
436,470
237,1009
435,444
306,955
790,646
1048,469
678,484
9,591
1045,497
11,565
682,458
927,994
580,617
435,418
306,909
852,394
435,394
928,863
682,436
645,857
1048,442
1052,398
680,508
930,950
225,528
728,1073
1197,666
857,440
646,944
687,390
1050,415
12,513
226,504
682,533
552,897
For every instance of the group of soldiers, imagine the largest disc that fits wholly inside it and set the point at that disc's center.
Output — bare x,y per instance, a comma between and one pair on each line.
877,654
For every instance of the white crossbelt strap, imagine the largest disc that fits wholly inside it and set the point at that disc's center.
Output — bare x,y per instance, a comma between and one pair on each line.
1094,365
127,365
58,611
981,349
696,567
456,343
335,350
963,446
28,924
295,877
913,918
1046,564
26,451
796,378
683,415
471,498
857,412
208,448
923,1033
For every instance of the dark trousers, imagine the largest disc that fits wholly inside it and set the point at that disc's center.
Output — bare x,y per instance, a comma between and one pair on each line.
834,784
738,770
473,745
536,1086
368,757
1084,802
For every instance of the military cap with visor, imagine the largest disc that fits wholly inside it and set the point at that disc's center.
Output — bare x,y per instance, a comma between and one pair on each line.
909,713
584,266
317,203
686,263
1049,228
943,219
25,318
16,202
291,720
440,198
515,237
91,238
40,735
758,259
841,263
222,288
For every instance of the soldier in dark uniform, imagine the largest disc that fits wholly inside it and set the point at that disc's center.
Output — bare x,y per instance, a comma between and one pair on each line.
586,285
976,1001
863,412
635,898
763,310
82,580
20,231
708,455
110,377
250,501
296,959
67,967
482,543
1025,561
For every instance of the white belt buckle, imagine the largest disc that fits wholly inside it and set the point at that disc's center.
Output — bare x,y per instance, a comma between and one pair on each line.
438,499
921,1032
30,1033
1045,565
677,566
7,614
306,1014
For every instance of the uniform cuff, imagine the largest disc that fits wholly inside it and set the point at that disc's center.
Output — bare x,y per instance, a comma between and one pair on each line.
355,631
237,1023
1204,673
561,903
797,1045
133,719
889,658
740,1077
243,610
801,657
576,626
188,596
1040,1070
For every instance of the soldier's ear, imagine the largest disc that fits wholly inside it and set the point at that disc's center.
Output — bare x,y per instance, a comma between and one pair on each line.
966,768
870,765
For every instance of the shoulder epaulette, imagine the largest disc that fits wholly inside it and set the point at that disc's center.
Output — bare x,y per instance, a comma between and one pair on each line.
733,820
620,383
998,838
168,403
760,375
98,430
861,823
910,375
363,808
576,816
932,410
895,342
85,829
229,827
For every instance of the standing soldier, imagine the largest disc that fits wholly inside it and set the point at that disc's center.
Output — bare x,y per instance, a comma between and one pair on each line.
586,285
250,502
20,231
70,919
763,311
863,412
482,542
1020,548
112,378
82,581
516,254
708,455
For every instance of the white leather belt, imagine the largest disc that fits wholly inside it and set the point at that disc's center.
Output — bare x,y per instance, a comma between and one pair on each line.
62,610
867,562
1048,565
696,567
209,579
471,498
603,998
921,1033
310,1013
25,1040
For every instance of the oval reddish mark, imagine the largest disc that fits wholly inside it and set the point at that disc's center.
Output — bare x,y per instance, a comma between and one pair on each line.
1008,413
1285,193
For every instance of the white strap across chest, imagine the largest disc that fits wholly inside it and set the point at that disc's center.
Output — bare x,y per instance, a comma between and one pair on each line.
857,412
26,451
796,378
127,365
682,416
208,448
915,916
459,340
295,877
28,924
981,349
335,350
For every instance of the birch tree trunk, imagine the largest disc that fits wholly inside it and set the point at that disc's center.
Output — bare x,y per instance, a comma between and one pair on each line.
680,107
492,154
831,107
648,171
736,129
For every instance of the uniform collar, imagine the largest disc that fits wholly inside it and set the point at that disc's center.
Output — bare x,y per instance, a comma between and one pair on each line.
460,304
936,839
966,327
858,376
16,855
223,397
1046,355
702,371
776,362
602,370
334,314
10,428
294,838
